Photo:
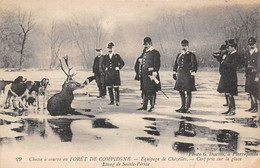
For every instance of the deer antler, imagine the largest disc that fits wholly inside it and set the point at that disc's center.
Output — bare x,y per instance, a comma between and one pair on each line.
66,59
63,68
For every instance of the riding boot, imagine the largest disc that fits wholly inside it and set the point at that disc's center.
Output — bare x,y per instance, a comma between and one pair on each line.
229,106
232,106
226,96
145,99
103,92
100,93
182,94
111,95
188,102
252,103
152,98
251,108
142,98
117,95
255,110
255,106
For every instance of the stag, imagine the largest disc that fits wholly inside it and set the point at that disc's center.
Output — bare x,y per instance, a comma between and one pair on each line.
60,103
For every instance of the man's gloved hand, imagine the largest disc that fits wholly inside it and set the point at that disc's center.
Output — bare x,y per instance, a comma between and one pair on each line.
117,68
193,74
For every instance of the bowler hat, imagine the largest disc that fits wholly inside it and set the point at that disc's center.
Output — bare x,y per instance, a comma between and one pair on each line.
185,42
147,40
110,45
98,49
231,42
223,47
251,41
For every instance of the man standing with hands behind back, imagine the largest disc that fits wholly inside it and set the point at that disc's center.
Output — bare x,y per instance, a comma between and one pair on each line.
99,72
113,63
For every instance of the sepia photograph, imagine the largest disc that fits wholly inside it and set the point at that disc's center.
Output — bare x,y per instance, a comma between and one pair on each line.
129,83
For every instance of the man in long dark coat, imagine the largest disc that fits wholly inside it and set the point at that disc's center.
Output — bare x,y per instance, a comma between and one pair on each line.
138,72
99,73
113,63
150,74
219,56
184,70
252,64
228,79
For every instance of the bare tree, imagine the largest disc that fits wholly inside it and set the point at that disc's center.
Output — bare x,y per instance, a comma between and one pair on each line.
58,37
79,38
87,35
26,24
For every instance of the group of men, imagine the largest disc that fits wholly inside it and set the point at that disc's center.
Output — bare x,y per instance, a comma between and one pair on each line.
229,60
106,69
147,71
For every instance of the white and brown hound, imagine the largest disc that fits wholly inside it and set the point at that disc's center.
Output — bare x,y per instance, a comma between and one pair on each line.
39,87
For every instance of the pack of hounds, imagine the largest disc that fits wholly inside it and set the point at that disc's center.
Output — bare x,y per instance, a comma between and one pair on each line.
23,93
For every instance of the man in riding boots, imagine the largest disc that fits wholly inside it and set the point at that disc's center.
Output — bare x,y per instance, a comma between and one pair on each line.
252,64
138,72
228,79
99,73
184,70
150,74
219,56
113,63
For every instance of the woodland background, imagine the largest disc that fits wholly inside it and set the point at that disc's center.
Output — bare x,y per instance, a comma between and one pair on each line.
29,41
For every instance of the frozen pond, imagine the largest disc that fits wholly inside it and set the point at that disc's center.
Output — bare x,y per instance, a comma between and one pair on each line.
123,129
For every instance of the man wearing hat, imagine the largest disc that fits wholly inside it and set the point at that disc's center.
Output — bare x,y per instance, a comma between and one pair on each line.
228,80
184,70
150,74
113,63
219,56
99,73
252,74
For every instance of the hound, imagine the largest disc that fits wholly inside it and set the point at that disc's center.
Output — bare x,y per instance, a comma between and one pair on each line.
3,85
19,89
39,87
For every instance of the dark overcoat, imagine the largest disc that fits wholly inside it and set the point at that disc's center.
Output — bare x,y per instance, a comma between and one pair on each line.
112,76
150,64
138,71
228,74
98,66
185,63
252,71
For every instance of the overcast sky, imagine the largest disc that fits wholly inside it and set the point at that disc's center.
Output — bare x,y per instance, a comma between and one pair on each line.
113,11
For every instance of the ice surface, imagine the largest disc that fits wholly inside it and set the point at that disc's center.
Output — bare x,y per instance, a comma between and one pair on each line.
123,128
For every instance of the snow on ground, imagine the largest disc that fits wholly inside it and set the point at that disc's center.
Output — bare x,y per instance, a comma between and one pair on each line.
124,130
